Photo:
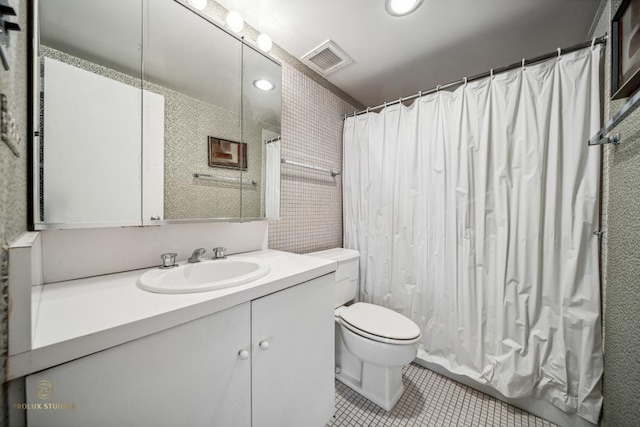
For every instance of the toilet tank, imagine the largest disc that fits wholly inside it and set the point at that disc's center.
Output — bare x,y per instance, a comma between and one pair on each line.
346,273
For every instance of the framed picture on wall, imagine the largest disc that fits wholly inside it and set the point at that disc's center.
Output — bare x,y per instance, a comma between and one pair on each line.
625,49
227,154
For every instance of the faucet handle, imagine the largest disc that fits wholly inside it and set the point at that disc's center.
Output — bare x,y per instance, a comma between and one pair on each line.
219,253
169,260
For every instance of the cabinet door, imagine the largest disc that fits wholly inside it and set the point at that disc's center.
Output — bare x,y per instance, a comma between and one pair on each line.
190,375
292,378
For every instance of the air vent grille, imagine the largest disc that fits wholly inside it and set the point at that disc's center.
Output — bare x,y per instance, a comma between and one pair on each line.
327,58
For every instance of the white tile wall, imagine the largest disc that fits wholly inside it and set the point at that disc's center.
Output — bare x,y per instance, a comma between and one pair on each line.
311,216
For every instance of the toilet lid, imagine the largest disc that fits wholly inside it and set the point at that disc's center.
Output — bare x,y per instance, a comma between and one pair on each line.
380,321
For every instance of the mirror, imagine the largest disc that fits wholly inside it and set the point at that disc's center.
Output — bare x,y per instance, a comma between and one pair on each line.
261,123
90,115
195,71
183,141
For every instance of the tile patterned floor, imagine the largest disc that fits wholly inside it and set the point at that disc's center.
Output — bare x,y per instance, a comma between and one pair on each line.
430,399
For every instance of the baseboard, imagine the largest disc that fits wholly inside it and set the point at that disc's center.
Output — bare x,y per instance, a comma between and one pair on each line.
532,405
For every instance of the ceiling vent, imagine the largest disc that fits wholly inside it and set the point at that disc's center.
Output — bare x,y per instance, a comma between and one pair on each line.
327,58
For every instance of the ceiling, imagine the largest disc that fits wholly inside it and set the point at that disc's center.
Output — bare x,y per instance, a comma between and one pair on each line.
443,41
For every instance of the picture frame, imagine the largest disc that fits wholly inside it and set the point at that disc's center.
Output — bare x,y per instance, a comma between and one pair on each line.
625,50
227,154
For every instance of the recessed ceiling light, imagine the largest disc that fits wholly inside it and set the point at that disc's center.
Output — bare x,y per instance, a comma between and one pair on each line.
401,7
264,84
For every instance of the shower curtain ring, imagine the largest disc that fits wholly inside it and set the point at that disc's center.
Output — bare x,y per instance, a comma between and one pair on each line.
491,73
438,88
465,81
593,42
523,60
368,108
354,114
419,94
559,52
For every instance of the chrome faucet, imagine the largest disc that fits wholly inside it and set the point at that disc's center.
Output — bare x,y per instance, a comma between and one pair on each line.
218,253
195,256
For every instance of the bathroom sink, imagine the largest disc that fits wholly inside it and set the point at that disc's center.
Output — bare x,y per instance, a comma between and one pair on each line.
204,276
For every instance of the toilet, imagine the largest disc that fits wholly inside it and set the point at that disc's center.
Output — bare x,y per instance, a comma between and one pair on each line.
372,343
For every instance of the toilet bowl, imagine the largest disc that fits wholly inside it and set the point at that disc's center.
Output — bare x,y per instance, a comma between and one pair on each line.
372,343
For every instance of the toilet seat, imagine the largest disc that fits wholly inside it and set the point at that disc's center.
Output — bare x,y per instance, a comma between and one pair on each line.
379,324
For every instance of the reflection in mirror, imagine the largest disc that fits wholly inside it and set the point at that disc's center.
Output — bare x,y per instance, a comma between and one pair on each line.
89,114
194,68
261,124
272,174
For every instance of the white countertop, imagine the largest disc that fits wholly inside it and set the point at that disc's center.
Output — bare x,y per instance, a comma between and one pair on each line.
76,318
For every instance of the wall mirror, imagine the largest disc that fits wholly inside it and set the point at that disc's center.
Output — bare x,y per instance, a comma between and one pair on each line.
90,113
261,123
148,114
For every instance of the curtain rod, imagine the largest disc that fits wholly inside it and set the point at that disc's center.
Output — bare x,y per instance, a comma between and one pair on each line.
269,141
558,52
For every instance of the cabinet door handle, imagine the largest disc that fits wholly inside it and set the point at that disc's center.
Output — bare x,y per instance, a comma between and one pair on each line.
264,345
243,354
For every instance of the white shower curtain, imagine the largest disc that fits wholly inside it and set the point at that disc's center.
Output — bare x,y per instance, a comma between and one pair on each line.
272,180
474,212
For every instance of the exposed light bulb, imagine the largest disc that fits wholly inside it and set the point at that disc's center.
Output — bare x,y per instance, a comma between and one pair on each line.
263,84
198,4
235,21
264,42
402,7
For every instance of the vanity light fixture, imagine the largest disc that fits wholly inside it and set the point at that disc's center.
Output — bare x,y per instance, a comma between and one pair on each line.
401,7
263,84
198,4
235,21
264,42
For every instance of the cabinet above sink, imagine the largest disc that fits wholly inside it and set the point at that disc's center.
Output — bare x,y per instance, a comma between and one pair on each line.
146,114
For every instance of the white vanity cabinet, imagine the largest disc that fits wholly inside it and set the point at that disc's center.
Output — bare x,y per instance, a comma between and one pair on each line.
189,375
263,363
293,377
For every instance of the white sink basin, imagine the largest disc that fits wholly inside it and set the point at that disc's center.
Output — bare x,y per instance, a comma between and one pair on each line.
204,276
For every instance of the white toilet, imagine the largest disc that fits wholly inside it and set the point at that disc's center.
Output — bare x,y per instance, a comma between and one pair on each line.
373,343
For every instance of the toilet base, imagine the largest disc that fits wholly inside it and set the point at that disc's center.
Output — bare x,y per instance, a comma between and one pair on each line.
382,386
